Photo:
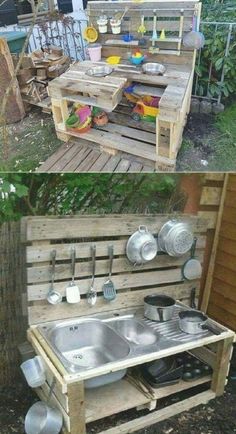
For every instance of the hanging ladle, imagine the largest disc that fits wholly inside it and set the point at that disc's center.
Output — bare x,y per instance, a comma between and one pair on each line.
53,297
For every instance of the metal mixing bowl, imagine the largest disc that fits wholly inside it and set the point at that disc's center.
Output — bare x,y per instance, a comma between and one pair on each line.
99,71
153,68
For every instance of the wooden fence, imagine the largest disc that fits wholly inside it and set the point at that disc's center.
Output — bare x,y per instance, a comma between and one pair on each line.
12,278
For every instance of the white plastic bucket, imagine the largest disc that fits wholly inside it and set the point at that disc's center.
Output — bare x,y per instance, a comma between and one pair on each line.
102,25
115,26
95,52
34,371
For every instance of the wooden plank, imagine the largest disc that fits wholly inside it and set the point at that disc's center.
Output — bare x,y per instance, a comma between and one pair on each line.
211,218
100,162
60,152
226,260
85,165
81,155
214,176
163,414
135,167
219,314
229,291
211,196
206,355
229,214
111,399
220,372
38,253
230,199
49,365
42,273
122,396
232,182
71,154
116,141
14,107
116,225
216,196
111,164
76,401
227,246
122,166
42,313
228,230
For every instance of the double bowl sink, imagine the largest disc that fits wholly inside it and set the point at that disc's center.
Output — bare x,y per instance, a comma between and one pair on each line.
90,343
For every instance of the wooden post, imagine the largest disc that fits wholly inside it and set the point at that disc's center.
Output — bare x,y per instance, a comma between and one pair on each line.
14,108
76,403
207,290
223,356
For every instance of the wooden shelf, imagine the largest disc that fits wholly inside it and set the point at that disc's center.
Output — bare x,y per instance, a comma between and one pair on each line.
121,396
177,40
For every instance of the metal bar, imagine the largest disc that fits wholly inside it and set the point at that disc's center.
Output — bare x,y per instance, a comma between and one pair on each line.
226,55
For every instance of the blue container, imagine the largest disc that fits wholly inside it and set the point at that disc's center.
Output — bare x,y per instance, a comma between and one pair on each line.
15,40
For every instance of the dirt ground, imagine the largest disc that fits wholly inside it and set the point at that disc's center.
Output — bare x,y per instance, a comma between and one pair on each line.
217,417
209,143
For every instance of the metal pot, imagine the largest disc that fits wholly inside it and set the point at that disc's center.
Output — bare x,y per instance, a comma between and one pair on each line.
141,246
159,307
194,322
42,419
175,238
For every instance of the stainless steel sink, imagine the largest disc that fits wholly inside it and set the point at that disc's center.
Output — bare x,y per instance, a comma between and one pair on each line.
87,344
134,331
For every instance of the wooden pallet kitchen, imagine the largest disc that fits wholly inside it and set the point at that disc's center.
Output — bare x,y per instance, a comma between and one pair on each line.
157,142
81,406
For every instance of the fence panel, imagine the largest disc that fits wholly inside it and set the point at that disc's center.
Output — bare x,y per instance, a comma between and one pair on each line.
12,284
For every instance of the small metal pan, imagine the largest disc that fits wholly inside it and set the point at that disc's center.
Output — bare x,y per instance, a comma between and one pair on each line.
194,322
192,268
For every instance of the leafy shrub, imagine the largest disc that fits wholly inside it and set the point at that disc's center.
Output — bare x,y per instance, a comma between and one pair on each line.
213,54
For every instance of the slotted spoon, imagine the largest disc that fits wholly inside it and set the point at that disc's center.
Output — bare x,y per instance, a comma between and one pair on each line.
109,291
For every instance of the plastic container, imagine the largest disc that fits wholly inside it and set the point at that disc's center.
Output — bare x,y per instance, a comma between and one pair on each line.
102,24
15,40
34,371
115,26
42,419
95,52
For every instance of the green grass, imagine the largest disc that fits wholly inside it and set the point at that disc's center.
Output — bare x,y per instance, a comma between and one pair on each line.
29,144
225,142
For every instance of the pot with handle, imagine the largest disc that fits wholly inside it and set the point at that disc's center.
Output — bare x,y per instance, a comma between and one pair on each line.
194,322
141,246
192,268
159,307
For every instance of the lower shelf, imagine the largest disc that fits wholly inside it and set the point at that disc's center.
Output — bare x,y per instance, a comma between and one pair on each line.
122,395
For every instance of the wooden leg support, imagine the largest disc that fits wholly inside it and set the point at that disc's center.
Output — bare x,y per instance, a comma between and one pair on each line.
223,356
76,403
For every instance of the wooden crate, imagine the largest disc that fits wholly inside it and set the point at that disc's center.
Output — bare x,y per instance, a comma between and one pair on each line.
122,133
79,406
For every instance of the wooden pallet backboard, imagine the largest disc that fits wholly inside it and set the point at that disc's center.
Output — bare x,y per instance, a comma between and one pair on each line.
169,15
43,234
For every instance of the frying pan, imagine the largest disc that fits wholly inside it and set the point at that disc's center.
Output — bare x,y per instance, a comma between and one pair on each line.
192,268
194,322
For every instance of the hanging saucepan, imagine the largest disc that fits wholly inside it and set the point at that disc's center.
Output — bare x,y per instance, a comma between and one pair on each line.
192,268
175,238
141,246
159,307
194,322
